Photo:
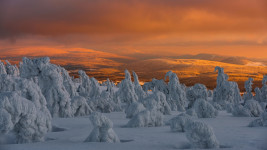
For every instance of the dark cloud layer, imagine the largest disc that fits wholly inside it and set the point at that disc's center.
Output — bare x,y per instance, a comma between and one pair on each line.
94,17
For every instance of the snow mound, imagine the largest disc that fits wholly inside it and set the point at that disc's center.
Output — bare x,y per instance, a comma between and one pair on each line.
178,123
146,118
200,135
204,109
102,131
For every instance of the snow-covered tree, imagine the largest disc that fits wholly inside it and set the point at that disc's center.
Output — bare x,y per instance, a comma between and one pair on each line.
146,118
138,88
258,94
248,86
176,96
196,92
21,116
178,123
201,135
204,109
261,94
11,69
126,92
2,68
102,131
133,109
226,91
157,101
49,78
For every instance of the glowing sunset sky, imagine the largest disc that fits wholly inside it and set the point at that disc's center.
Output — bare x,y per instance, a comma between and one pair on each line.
133,28
104,37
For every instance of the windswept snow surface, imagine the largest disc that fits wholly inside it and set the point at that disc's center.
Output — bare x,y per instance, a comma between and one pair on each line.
232,133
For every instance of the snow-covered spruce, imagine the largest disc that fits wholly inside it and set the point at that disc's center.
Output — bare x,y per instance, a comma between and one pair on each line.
196,92
146,118
201,135
2,68
248,86
138,88
126,92
102,131
262,121
226,91
133,109
261,94
80,106
157,101
204,109
177,124
11,69
23,118
176,96
49,78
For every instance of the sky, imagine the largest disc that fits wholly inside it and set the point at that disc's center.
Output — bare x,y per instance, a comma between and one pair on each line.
134,28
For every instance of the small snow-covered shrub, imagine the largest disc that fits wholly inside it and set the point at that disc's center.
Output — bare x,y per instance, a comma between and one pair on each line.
102,131
201,135
262,121
191,112
196,92
240,111
229,108
23,118
177,124
146,118
134,109
80,106
254,108
204,109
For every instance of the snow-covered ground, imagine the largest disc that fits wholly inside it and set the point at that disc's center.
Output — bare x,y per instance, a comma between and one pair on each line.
231,132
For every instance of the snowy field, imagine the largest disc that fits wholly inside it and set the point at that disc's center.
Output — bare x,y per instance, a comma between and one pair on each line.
231,132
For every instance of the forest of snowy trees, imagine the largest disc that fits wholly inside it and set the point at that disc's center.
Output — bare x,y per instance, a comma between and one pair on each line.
37,91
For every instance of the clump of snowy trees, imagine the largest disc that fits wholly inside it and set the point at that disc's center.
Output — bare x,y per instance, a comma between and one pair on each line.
38,90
